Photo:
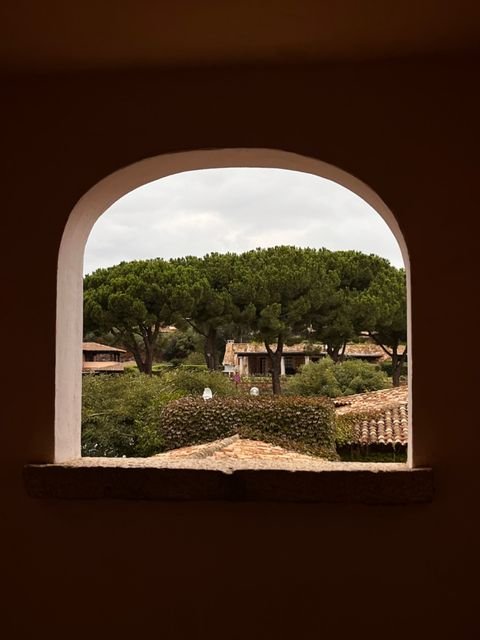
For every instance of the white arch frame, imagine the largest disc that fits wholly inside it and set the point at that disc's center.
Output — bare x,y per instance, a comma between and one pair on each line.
69,333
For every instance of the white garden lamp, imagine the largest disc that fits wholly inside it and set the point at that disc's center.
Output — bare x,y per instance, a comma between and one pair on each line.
207,394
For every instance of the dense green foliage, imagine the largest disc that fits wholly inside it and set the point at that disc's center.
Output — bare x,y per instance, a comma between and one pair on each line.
177,347
120,414
135,415
344,318
276,296
193,382
132,301
139,416
300,424
384,311
207,283
278,291
387,367
326,378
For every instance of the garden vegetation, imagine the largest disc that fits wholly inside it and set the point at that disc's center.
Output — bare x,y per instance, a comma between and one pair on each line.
134,415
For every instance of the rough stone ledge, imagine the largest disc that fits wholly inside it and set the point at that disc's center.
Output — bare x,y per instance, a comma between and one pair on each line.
134,479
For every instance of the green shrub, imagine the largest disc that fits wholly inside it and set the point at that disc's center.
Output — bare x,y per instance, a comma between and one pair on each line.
195,358
120,414
192,382
387,367
357,376
325,378
300,424
161,367
192,367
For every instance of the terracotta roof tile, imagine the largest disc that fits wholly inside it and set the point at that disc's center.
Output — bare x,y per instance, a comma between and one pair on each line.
358,350
96,346
382,416
372,399
235,449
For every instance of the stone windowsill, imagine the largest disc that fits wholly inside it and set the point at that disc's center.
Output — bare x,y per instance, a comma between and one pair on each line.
150,479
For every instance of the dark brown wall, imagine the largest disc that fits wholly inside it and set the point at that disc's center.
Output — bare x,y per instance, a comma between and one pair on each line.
409,130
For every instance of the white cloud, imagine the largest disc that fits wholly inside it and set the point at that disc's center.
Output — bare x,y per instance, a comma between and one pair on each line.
196,212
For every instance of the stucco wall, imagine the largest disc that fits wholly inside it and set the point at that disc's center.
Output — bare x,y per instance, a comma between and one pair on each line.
238,570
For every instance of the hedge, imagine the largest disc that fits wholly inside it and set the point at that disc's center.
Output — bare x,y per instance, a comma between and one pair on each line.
305,425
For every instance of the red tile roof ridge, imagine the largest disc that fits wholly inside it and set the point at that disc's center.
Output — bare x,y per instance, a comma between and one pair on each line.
97,346
372,400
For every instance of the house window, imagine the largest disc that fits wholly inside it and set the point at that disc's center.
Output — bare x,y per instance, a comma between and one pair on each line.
289,365
263,366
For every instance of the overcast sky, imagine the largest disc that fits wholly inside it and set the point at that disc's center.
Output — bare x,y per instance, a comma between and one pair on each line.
222,210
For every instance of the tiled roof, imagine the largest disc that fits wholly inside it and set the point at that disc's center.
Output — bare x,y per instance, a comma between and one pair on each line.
234,449
382,416
358,350
372,399
387,426
233,348
366,349
96,346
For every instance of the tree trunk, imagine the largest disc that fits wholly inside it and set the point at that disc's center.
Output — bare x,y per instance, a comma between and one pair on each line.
396,368
210,350
275,358
148,364
397,363
336,352
138,359
333,352
143,362
132,345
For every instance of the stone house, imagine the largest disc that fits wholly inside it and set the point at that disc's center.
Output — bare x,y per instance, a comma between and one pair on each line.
102,358
251,358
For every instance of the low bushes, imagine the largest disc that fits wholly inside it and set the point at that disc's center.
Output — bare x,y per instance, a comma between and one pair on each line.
325,378
192,383
301,424
120,414
138,415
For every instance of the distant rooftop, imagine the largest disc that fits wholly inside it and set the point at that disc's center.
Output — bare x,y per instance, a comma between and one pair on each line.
352,349
96,346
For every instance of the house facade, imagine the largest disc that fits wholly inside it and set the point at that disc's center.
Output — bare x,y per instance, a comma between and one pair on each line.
101,358
251,358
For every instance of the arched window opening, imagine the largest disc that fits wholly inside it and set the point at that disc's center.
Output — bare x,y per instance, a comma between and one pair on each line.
252,356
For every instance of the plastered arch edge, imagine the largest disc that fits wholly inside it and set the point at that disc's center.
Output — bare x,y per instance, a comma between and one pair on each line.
69,312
